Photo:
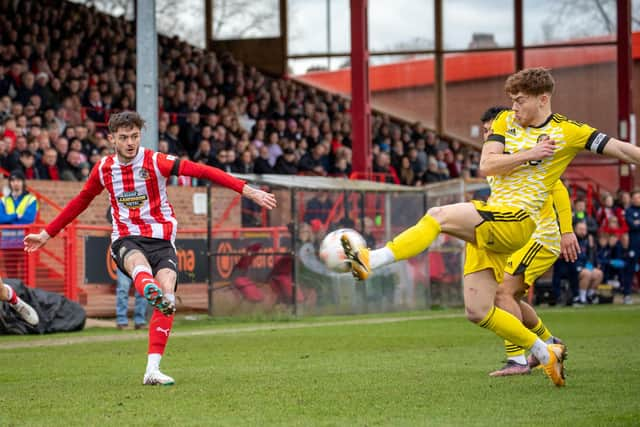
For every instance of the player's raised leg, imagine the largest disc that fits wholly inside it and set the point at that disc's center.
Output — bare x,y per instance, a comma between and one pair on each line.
458,220
26,312
138,267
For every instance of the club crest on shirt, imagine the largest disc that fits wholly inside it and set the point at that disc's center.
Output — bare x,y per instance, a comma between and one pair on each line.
132,199
143,174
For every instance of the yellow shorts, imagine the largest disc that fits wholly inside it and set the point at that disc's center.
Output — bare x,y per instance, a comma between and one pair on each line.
532,260
503,231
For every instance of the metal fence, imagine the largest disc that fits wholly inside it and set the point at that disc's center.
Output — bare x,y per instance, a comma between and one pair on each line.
273,268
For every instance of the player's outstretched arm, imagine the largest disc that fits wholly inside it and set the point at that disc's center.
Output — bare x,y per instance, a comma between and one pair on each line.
197,170
621,150
262,198
494,161
33,242
75,207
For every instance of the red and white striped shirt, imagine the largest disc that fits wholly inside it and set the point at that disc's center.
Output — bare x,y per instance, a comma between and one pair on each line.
138,193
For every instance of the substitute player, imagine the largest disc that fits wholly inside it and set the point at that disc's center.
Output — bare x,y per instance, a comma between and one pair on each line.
528,150
144,223
530,262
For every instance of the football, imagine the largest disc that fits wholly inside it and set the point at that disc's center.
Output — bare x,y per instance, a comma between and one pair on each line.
331,252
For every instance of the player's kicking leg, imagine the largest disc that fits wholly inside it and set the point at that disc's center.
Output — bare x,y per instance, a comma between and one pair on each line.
458,220
26,312
481,227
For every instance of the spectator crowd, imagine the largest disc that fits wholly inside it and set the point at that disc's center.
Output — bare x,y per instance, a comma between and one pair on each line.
64,67
609,237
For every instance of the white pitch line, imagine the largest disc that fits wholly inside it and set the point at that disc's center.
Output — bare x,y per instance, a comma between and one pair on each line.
57,342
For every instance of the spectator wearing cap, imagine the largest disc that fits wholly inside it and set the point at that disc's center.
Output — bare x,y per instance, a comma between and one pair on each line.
286,164
312,163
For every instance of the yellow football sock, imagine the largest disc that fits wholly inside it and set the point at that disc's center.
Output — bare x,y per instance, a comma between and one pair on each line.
416,239
507,326
541,330
512,349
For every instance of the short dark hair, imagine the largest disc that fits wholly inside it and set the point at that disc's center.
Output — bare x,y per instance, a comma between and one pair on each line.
530,81
125,119
492,113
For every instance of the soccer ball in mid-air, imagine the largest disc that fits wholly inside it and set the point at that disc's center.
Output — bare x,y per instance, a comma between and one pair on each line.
332,253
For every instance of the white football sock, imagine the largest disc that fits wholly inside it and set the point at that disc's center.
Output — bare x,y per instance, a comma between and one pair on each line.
381,257
139,269
540,351
153,362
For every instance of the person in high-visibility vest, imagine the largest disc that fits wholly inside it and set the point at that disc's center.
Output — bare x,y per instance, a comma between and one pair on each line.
17,207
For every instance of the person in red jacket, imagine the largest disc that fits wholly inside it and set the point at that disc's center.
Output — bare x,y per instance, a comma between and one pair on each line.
144,222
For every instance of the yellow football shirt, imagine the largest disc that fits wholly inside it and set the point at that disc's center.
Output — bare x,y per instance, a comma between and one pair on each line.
528,185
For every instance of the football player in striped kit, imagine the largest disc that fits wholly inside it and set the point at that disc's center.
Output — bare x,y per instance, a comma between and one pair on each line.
144,222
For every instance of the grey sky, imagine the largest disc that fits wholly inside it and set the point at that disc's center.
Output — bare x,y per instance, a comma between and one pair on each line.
409,24
393,24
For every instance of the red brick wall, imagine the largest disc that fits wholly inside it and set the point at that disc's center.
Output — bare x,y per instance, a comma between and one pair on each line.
180,197
99,299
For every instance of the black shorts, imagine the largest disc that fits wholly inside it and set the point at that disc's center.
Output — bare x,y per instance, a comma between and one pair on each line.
159,253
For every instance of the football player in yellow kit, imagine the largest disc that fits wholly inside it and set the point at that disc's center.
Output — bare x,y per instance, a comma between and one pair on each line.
528,150
530,262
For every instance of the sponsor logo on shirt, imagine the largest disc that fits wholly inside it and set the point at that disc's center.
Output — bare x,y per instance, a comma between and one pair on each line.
132,199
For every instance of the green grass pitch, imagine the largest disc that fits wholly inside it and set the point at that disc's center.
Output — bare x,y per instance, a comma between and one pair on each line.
428,368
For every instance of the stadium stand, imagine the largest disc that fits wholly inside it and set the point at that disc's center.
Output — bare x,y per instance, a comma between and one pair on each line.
65,67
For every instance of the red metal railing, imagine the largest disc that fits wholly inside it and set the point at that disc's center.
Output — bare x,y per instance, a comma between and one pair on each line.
591,190
388,178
